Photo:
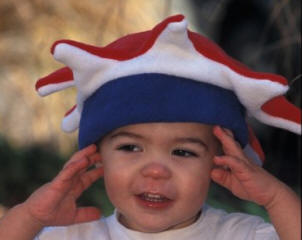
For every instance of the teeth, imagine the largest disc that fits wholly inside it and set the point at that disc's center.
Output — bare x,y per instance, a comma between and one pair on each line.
150,195
153,197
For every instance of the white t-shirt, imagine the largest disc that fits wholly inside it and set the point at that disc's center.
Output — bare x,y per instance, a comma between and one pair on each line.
213,224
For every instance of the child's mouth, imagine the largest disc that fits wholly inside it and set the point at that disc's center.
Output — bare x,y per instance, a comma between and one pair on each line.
153,200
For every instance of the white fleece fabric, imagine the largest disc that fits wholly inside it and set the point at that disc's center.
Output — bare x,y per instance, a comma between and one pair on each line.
213,224
172,53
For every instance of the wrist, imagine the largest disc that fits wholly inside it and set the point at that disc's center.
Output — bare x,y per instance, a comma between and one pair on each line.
282,193
27,218
285,213
17,224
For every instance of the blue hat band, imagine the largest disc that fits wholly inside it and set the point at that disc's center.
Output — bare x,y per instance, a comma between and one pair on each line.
146,98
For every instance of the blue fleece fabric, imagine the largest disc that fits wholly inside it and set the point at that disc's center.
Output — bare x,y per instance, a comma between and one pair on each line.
152,97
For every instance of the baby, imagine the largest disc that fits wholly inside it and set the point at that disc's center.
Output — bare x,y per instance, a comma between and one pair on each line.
160,114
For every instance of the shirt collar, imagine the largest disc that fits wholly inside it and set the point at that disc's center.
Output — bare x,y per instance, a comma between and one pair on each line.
118,231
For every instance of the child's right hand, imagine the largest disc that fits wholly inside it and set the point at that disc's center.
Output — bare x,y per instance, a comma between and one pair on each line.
54,204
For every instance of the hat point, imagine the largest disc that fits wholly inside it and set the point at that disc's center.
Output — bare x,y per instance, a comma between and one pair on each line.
178,26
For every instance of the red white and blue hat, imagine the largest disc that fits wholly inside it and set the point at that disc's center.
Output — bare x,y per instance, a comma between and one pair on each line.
167,74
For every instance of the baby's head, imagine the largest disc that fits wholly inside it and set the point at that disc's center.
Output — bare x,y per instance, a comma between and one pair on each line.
153,98
157,175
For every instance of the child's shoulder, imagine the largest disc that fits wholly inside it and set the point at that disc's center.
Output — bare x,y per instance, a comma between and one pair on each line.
237,224
82,231
220,216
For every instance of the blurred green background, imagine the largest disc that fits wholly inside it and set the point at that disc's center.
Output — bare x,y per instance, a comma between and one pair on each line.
265,35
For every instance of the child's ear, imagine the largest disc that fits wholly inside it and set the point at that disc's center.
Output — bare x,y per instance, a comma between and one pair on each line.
219,150
218,147
98,145
99,163
98,148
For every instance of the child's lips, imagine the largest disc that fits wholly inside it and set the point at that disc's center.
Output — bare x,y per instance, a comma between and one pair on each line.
155,197
153,200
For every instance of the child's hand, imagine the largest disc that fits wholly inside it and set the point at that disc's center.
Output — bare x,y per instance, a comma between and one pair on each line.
54,203
240,175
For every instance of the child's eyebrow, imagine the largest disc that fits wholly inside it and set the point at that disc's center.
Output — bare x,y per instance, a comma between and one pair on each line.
192,140
125,134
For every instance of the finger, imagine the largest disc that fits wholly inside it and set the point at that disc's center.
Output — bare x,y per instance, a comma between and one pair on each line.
87,179
227,170
64,180
222,177
229,132
85,152
229,144
237,167
95,158
70,171
87,214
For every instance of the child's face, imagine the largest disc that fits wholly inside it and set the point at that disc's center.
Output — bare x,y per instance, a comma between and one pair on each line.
157,175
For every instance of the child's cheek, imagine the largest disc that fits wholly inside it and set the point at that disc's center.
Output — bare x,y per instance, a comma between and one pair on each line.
114,183
117,172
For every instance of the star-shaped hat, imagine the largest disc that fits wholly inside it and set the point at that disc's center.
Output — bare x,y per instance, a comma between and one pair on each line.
167,74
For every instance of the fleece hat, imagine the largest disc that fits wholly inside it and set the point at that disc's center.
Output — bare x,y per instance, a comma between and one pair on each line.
167,74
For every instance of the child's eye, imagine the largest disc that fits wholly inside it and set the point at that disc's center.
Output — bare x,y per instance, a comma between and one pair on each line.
184,153
129,148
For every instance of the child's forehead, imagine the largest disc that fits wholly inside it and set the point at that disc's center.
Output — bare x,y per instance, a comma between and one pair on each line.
171,130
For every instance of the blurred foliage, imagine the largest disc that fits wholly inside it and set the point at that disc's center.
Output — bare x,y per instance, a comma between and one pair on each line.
25,169
265,35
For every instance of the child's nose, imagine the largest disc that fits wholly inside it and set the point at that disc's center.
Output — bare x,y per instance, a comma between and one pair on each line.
156,171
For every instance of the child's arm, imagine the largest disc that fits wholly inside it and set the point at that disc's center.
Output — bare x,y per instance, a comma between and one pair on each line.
54,204
250,182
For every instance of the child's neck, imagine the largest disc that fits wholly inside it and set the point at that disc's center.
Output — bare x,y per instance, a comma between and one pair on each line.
184,224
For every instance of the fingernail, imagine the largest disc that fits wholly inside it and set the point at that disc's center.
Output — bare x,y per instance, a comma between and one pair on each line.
228,132
216,128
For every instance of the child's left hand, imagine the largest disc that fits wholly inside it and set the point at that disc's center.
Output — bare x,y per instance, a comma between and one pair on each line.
240,175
